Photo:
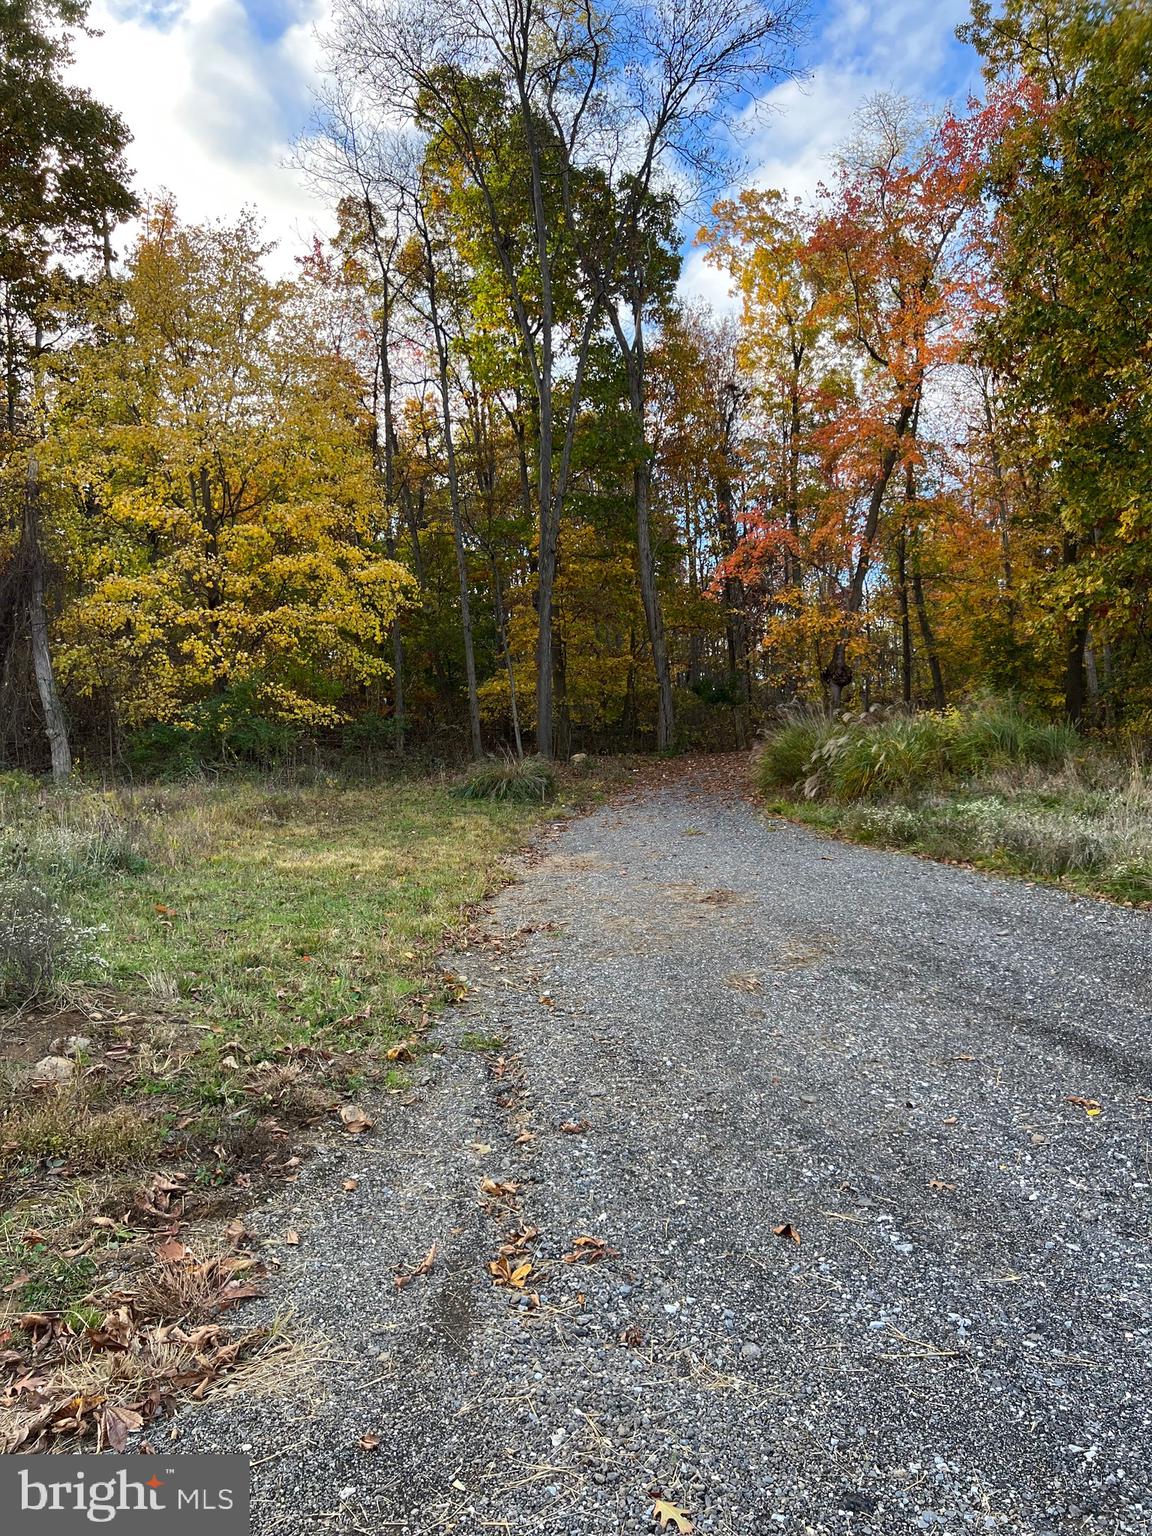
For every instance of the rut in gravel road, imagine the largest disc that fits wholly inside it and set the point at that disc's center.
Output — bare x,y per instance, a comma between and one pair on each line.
721,1033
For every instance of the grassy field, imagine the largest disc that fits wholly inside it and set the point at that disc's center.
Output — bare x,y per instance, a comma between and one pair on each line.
991,787
196,979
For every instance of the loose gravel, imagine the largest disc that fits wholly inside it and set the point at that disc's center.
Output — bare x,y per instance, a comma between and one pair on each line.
874,1260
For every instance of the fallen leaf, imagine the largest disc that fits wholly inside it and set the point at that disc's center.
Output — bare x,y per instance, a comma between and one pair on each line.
425,1266
292,1238
172,1251
574,1127
351,1184
499,1192
1089,1106
525,1136
590,1250
787,1231
941,1184
670,1516
354,1119
369,1442
117,1424
503,1273
401,1052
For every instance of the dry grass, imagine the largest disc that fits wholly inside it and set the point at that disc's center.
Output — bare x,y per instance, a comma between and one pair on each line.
1086,823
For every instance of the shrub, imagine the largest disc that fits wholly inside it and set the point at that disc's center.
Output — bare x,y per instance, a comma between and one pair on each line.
505,778
163,751
40,945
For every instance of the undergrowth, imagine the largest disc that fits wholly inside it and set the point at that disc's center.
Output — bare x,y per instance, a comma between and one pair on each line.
990,786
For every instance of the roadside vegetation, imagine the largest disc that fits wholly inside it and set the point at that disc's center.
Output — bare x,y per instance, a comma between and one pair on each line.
197,980
990,785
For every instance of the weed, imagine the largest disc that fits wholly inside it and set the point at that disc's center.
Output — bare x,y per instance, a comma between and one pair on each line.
40,944
63,1126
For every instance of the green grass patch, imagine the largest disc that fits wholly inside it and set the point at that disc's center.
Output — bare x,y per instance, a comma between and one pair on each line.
240,958
474,1040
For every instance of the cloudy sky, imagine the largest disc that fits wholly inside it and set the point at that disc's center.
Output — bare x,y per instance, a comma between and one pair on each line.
215,90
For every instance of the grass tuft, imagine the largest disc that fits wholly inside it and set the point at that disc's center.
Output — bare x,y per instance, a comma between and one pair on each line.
508,779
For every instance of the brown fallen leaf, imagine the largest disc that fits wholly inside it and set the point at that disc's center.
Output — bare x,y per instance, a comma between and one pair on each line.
590,1250
354,1119
350,1184
499,1193
524,1137
116,1424
518,1241
401,1052
425,1266
787,1231
941,1184
505,1274
172,1251
669,1516
369,1442
292,1238
1089,1106
574,1127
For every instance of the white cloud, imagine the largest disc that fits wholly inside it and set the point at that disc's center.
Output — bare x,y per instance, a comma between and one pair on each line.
789,138
212,106
214,93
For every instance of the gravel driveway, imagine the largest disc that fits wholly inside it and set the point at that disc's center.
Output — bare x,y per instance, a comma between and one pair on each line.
867,1258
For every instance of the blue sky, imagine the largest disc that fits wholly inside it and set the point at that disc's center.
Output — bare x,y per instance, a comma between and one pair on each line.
214,91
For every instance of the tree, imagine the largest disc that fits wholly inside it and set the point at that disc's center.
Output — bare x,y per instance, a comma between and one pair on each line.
63,188
581,106
1068,343
223,532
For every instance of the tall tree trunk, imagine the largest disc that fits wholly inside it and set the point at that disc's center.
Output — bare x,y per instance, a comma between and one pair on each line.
55,725
502,626
634,360
838,674
905,618
928,637
441,341
399,711
653,613
1076,639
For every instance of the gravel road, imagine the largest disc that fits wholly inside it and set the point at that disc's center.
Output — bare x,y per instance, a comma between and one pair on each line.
872,1258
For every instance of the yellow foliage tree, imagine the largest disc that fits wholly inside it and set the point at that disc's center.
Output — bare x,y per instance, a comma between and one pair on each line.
218,508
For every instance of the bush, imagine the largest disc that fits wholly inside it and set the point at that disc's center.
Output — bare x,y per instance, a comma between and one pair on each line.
163,751
232,728
505,778
40,945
